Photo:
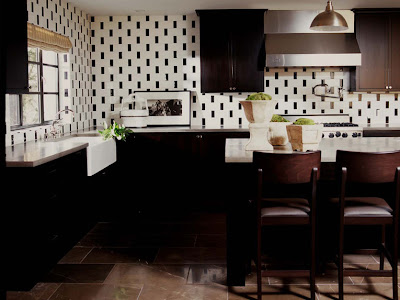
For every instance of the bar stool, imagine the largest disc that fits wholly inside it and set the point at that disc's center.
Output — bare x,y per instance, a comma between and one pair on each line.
286,170
360,168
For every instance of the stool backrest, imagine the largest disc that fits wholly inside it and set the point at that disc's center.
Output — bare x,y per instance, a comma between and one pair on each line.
287,168
369,167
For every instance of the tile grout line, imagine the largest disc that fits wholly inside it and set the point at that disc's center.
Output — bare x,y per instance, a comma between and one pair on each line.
317,293
52,294
141,289
86,255
155,258
105,279
187,275
374,259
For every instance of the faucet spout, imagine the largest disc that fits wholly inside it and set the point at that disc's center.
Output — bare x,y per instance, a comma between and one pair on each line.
55,131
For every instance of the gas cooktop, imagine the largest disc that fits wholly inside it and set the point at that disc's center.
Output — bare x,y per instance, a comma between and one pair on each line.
335,125
343,124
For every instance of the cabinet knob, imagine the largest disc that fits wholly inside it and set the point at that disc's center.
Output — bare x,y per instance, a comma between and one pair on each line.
230,89
199,136
390,87
234,88
387,87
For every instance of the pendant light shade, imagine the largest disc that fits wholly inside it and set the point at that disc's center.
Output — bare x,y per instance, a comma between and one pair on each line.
329,20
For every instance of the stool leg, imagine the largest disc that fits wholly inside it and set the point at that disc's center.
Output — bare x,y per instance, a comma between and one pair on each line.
340,271
395,258
382,255
313,262
259,290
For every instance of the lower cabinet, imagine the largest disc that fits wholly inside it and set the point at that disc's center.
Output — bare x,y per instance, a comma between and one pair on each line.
45,216
175,172
381,132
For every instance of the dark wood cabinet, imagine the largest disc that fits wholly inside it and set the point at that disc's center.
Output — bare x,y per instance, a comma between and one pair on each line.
232,50
44,216
394,63
16,47
378,35
175,171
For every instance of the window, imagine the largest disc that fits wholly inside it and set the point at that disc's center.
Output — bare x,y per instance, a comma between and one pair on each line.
41,103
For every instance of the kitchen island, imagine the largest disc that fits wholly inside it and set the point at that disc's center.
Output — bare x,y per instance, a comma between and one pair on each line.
235,148
240,188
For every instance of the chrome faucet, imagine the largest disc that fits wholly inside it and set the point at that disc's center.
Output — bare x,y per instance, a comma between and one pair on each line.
54,132
329,91
320,85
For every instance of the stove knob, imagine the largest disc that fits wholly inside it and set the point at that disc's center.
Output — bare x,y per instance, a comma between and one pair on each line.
354,135
344,135
338,134
359,134
323,135
331,135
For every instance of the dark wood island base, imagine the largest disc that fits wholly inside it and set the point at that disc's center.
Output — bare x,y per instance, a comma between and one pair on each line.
241,184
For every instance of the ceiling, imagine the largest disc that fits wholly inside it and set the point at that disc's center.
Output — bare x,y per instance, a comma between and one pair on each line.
170,7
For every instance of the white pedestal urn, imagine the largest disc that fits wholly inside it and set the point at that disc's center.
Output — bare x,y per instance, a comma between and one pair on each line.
259,114
277,135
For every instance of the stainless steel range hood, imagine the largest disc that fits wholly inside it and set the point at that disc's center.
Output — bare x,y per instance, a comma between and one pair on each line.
290,43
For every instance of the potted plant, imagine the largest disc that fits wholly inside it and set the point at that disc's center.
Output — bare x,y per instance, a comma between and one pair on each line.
277,131
120,132
304,135
258,108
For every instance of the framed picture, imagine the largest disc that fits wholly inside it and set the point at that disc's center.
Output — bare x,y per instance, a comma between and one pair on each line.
167,107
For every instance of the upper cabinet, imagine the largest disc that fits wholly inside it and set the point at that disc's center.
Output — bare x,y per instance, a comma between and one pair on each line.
232,50
378,35
16,48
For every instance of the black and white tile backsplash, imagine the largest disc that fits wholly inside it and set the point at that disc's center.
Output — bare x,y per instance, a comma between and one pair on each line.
113,56
62,17
136,53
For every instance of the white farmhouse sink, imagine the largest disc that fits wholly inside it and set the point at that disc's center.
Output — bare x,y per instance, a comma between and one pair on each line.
100,153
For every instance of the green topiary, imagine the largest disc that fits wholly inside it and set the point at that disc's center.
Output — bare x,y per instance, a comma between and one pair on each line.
259,96
304,121
278,118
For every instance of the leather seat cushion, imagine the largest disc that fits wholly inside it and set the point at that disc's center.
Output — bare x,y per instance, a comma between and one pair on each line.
365,206
285,207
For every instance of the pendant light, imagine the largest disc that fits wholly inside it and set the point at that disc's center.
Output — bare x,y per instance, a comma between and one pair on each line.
329,20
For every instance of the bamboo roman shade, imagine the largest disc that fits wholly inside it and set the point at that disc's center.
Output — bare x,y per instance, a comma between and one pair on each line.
42,38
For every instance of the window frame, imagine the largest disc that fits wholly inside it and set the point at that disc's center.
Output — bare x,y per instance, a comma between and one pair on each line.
40,93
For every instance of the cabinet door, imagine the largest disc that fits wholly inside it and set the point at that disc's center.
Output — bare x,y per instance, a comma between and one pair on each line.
372,37
215,51
394,64
248,54
44,217
17,47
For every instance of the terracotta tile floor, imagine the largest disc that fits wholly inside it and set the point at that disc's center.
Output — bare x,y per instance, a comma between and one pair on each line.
178,258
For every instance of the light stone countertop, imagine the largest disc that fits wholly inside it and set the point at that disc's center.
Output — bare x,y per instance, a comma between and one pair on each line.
193,128
235,148
380,127
36,153
245,128
33,154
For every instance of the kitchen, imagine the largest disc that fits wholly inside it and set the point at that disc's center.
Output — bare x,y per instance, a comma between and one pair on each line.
151,207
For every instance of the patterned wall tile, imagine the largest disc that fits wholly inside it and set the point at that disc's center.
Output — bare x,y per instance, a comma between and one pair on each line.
157,53
117,55
62,17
